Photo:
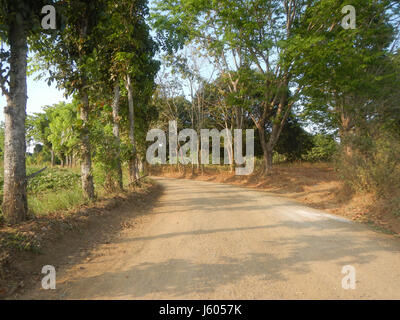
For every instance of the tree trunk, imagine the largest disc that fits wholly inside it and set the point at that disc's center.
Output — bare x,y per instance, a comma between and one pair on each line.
140,166
15,206
86,164
345,131
52,158
277,126
267,151
115,108
231,151
132,161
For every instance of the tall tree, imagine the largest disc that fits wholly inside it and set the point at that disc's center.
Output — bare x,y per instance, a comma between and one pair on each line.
256,34
38,129
19,20
133,61
71,57
352,74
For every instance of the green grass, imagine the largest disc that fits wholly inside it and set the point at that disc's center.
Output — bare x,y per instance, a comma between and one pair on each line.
54,201
52,179
54,189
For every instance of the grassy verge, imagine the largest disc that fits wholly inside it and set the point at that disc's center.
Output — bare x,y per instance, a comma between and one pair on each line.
54,201
54,190
53,195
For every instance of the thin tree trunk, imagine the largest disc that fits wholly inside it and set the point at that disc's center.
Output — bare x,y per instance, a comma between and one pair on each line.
345,132
140,166
15,206
86,164
231,153
132,161
115,108
52,158
267,151
145,168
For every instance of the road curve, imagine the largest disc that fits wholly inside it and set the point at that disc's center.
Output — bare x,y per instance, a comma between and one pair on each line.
213,241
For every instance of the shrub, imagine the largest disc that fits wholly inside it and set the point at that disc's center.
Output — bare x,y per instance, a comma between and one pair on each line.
374,169
52,179
324,148
294,142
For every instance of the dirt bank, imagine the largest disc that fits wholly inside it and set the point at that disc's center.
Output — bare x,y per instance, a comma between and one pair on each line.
65,238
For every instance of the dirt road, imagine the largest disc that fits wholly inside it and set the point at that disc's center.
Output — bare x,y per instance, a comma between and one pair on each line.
215,241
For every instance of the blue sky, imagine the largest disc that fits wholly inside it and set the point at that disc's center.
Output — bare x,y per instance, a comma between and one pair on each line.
39,95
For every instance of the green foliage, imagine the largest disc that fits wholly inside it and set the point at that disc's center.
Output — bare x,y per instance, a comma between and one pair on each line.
54,130
270,56
55,201
338,66
107,155
41,156
70,54
294,142
64,129
52,190
52,179
324,148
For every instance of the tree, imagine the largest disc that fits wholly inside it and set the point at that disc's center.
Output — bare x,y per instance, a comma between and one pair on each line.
140,50
38,129
19,20
130,50
258,33
294,142
63,133
351,69
171,105
70,55
324,147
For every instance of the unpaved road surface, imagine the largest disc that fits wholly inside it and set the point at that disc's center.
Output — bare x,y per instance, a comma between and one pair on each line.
213,241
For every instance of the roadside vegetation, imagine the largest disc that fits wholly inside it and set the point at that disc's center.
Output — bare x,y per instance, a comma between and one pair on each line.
322,97
314,88
316,93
